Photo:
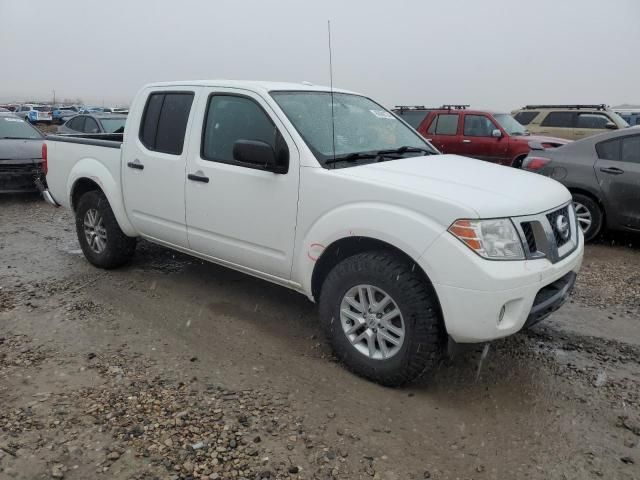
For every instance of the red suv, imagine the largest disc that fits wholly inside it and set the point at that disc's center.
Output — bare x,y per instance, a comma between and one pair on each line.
495,137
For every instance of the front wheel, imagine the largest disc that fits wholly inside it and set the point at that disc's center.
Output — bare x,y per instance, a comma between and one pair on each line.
101,239
589,215
382,318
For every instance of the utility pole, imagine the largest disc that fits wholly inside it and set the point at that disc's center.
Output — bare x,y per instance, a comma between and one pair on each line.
54,97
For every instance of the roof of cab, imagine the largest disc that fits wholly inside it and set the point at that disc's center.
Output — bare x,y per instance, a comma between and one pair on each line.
261,86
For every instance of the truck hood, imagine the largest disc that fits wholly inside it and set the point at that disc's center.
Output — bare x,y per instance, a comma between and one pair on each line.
484,189
20,149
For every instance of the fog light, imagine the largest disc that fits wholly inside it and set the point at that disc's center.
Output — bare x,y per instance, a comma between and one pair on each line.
501,314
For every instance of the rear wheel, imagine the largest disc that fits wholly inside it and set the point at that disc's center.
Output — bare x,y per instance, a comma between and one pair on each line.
382,318
589,215
101,239
517,162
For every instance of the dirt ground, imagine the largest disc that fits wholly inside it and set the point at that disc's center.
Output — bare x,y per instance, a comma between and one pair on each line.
171,368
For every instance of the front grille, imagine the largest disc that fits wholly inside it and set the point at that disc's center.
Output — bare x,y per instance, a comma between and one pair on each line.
529,236
553,218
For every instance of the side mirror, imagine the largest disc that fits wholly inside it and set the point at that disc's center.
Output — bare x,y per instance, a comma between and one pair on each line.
496,133
610,126
260,155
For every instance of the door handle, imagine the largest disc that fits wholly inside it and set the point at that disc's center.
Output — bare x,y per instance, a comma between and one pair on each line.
612,170
466,141
136,164
198,178
429,139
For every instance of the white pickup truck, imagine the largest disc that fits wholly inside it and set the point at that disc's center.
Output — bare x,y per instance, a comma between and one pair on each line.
331,195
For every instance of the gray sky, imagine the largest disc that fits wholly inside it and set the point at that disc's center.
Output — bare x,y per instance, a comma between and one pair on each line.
490,53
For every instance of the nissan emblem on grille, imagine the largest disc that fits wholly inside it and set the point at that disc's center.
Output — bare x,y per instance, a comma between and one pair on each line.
562,226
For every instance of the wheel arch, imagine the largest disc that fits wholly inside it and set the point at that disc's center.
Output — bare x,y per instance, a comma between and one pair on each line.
348,246
89,174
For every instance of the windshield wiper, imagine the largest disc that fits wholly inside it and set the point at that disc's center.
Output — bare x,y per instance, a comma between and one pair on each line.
352,157
406,149
18,138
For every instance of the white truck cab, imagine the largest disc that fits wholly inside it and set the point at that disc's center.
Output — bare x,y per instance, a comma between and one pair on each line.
327,193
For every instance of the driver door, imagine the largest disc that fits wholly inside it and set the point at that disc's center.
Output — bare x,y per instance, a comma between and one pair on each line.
238,214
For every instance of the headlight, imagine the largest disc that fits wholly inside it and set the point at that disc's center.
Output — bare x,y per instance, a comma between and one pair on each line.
495,239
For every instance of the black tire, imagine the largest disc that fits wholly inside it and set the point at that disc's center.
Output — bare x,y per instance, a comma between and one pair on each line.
119,248
517,162
596,215
424,336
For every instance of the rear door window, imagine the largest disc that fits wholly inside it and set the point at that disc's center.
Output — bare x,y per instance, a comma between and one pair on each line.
444,124
77,124
630,151
558,119
164,121
525,118
91,126
609,150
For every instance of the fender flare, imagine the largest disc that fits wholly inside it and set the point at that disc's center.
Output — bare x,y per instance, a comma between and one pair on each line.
407,230
92,169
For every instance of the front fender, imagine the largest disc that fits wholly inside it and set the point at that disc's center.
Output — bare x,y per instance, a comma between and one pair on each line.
95,171
408,230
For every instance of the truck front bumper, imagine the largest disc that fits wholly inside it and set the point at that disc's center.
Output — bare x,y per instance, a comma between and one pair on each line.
483,300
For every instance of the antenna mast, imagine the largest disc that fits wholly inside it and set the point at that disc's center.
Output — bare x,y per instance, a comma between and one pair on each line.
333,126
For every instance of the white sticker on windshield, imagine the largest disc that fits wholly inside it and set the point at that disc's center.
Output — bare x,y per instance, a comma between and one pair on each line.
9,119
382,114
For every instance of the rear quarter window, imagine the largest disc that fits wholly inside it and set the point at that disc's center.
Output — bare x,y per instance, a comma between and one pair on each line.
444,124
412,117
525,118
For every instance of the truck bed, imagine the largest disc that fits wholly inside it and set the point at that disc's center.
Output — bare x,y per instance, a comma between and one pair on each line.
75,156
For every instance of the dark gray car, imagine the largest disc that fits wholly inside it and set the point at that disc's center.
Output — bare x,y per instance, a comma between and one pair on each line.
20,154
94,123
603,174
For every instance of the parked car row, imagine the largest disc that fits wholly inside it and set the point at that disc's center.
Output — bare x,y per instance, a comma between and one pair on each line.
491,136
20,154
602,173
572,122
58,114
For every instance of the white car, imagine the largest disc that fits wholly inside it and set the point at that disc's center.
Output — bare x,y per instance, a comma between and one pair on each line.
34,113
329,194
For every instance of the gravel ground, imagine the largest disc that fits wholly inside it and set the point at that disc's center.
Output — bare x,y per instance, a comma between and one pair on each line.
174,369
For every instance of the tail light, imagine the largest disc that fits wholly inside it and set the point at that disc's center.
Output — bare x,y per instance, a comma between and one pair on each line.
534,163
45,162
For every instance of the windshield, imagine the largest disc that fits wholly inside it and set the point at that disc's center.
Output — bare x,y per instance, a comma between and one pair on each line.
42,109
12,127
510,124
621,122
360,125
113,125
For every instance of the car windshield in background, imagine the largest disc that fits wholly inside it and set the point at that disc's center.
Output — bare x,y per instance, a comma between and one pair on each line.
42,109
17,128
363,129
619,119
113,125
510,125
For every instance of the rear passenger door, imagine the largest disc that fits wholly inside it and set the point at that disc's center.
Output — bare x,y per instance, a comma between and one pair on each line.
618,173
442,131
154,159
